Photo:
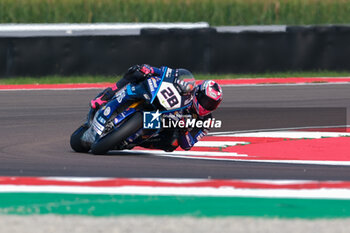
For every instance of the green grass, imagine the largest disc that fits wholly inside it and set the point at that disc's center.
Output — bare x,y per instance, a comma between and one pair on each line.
97,79
216,12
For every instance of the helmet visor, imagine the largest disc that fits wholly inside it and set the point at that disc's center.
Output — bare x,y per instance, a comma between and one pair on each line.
207,102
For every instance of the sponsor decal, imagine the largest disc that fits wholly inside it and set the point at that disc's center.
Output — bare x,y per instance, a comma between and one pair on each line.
188,99
168,73
200,135
120,96
107,111
152,83
151,120
101,120
119,118
146,96
215,96
151,86
98,127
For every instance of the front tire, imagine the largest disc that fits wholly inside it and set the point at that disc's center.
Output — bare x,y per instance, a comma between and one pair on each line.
75,140
103,145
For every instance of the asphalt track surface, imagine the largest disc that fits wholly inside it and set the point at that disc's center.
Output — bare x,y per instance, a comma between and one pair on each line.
36,125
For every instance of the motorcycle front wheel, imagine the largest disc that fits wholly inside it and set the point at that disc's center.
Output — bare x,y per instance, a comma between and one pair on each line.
129,127
75,140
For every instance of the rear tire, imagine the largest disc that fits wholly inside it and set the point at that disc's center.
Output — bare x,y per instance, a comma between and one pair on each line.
103,145
75,140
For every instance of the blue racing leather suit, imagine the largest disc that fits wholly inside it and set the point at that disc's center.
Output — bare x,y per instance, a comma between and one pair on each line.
167,140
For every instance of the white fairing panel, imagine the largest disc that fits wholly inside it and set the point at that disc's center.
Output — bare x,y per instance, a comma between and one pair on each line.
168,96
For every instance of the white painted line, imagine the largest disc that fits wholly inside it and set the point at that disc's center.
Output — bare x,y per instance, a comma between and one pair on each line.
288,134
97,29
251,28
275,129
181,191
54,89
226,85
97,26
219,143
182,180
185,154
223,157
76,179
301,162
285,84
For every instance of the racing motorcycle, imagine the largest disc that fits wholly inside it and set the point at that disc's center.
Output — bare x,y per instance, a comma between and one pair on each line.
120,125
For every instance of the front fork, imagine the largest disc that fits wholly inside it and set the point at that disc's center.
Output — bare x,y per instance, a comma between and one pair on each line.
121,97
90,116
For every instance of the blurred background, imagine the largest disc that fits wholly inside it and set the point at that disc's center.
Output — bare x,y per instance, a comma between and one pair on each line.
215,12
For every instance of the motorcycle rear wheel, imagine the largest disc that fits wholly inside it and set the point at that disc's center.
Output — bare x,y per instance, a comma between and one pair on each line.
75,140
104,144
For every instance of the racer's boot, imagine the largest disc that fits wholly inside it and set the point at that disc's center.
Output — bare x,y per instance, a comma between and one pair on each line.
103,97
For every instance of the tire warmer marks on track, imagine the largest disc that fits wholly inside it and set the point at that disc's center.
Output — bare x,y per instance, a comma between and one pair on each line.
254,81
194,197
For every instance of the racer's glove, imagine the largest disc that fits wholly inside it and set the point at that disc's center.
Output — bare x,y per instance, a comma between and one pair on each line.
186,140
102,98
185,87
173,143
147,70
189,138
141,72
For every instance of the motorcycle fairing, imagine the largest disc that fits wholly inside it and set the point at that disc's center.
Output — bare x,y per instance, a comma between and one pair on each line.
159,87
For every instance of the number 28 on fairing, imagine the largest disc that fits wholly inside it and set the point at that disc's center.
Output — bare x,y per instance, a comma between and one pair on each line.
168,96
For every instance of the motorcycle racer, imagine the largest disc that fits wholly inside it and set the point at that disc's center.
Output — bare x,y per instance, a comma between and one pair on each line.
205,97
